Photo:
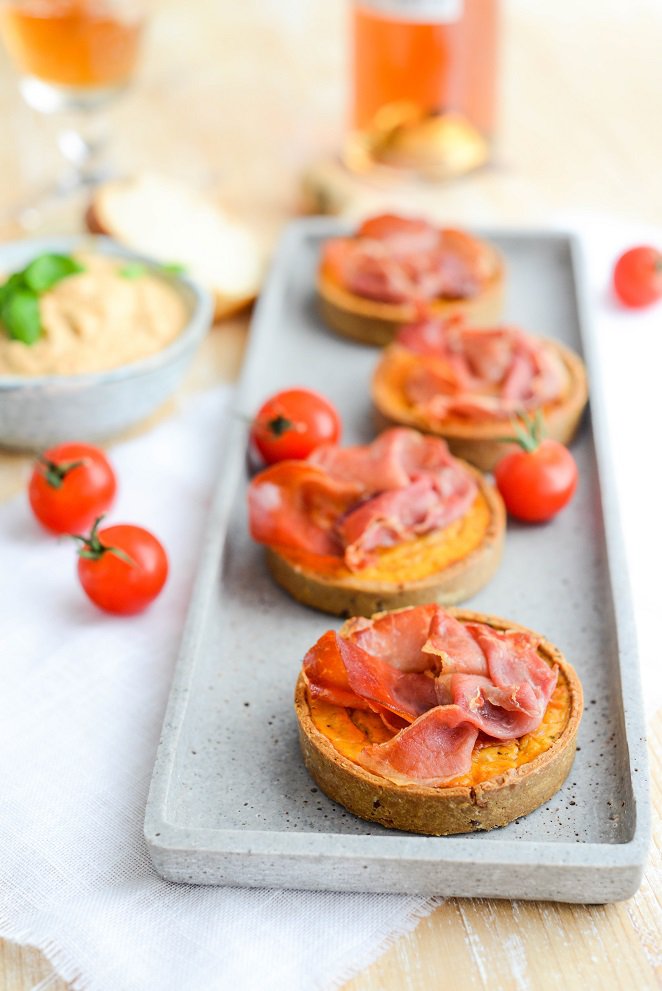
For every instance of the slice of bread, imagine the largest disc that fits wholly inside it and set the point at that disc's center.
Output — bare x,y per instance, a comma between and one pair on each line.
166,220
389,586
476,441
496,800
371,322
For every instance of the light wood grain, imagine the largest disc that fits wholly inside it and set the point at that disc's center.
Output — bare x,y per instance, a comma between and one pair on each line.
242,99
536,946
497,945
21,968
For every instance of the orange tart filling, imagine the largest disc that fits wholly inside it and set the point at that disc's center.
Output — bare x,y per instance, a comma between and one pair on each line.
350,730
418,696
411,560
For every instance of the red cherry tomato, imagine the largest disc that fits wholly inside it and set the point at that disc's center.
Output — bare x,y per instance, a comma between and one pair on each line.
536,484
638,276
70,486
122,568
293,423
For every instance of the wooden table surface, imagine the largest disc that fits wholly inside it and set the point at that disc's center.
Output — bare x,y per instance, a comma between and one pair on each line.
243,98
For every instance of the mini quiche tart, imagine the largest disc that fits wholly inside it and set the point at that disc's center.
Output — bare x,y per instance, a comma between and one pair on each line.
371,284
393,523
437,721
467,383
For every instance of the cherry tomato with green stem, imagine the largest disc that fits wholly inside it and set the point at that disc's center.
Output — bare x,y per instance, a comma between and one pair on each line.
70,486
292,423
638,276
537,480
121,568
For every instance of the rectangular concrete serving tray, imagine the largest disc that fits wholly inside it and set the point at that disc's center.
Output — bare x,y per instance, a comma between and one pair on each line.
231,802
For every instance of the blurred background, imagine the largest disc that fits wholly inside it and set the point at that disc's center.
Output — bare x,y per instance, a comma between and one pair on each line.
245,98
249,103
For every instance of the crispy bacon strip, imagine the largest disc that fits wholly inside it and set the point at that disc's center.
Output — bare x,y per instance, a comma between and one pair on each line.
394,259
392,517
342,672
478,372
327,675
434,749
402,235
408,694
346,503
295,504
378,467
512,658
502,713
450,642
449,680
396,637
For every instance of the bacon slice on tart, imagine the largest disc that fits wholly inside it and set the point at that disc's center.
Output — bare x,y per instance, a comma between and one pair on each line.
437,721
467,383
392,523
371,284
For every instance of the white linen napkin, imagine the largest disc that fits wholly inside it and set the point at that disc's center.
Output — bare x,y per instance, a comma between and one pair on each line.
81,707
629,353
83,696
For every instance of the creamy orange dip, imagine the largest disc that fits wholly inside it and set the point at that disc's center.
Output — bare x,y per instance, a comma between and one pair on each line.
411,560
97,320
349,730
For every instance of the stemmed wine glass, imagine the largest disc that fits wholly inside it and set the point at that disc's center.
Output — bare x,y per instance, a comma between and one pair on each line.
74,57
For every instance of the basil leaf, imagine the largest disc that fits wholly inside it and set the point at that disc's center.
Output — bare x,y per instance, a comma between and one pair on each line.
20,314
46,270
134,270
9,287
174,268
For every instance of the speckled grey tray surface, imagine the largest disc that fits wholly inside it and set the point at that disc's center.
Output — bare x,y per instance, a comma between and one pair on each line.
231,801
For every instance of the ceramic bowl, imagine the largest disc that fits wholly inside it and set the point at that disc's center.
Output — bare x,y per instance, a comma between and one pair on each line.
37,412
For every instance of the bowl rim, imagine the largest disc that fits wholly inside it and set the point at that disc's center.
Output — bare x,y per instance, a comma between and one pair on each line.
198,300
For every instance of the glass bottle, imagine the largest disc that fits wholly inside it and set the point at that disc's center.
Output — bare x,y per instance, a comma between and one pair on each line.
423,85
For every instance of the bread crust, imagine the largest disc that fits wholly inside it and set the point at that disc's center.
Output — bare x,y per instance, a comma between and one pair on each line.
353,596
444,811
475,441
371,322
224,306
